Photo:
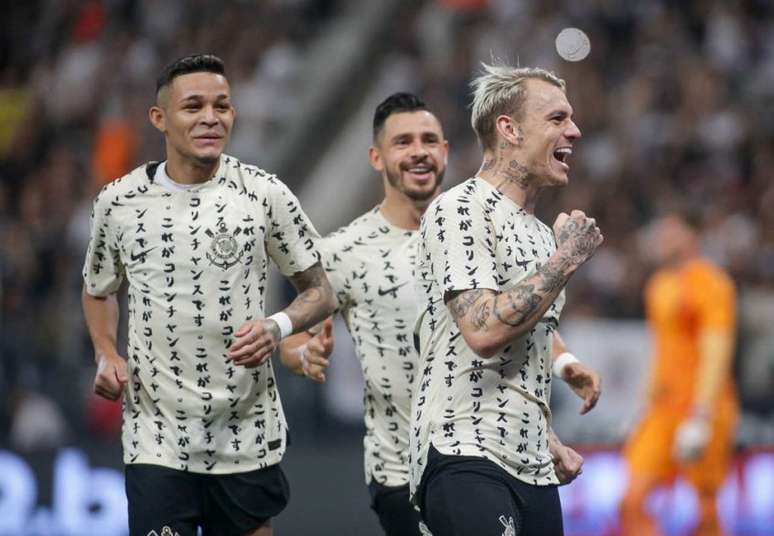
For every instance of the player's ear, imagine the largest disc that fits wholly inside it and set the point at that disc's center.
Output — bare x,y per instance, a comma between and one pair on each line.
508,130
375,158
157,118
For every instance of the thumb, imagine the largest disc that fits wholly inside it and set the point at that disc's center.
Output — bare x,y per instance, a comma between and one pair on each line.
327,331
121,375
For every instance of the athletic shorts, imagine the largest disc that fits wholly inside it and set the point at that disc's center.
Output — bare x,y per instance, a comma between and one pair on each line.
397,515
649,452
466,495
164,501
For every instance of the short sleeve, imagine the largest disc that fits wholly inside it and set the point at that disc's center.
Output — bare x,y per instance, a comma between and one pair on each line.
290,236
459,239
336,262
103,270
715,297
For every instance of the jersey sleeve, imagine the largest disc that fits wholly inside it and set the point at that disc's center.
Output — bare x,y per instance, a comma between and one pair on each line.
459,240
103,270
290,236
715,298
338,267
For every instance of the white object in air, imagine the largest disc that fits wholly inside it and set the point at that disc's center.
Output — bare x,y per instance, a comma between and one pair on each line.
573,44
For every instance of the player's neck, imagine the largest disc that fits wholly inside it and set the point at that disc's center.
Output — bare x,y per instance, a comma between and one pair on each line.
186,171
402,211
510,178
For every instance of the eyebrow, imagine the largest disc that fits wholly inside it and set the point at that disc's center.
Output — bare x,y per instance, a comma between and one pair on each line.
422,134
561,112
198,97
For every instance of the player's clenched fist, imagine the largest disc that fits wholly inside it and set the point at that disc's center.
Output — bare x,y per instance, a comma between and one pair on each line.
577,236
255,341
112,375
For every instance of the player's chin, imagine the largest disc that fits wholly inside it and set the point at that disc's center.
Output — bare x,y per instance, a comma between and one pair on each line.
558,176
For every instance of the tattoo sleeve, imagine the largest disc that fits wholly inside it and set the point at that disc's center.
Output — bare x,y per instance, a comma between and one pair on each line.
315,300
508,314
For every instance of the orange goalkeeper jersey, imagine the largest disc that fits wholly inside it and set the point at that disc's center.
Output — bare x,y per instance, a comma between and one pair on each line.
681,303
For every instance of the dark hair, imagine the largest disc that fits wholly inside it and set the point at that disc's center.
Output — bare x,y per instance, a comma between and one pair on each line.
196,63
394,104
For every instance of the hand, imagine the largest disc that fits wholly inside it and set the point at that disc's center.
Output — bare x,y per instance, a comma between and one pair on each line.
691,438
112,375
584,382
255,341
568,464
577,236
316,352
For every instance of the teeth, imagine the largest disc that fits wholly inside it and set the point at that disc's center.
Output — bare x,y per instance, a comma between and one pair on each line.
564,150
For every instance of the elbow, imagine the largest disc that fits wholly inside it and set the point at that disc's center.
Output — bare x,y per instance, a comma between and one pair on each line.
330,303
483,345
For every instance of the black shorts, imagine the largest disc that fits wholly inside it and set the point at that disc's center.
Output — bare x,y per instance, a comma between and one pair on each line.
462,495
230,504
397,515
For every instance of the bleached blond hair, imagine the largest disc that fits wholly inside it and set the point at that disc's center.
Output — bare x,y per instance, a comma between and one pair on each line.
500,90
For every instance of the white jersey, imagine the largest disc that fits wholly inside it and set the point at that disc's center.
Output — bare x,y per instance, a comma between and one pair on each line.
472,237
196,262
370,264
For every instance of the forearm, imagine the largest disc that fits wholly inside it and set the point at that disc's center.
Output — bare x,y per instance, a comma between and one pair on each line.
558,347
290,351
715,350
489,320
315,300
101,316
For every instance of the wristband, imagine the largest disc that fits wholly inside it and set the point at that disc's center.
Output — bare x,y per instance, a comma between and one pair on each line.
562,361
283,322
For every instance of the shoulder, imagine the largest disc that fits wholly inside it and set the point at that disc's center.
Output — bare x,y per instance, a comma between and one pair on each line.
455,200
236,173
127,186
353,233
708,276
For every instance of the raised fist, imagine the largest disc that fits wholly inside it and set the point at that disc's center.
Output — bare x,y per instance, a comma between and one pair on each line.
577,236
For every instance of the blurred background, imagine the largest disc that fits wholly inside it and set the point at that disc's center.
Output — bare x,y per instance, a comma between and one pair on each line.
675,101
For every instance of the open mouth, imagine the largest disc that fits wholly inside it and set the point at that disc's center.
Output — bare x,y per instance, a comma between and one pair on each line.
421,171
562,154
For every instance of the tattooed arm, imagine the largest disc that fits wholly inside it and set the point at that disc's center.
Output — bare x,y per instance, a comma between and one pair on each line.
256,340
490,320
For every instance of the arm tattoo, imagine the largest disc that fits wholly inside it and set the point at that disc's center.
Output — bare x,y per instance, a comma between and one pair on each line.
481,315
460,304
313,292
521,305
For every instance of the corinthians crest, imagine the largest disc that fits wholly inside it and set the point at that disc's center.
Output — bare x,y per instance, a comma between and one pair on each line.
224,251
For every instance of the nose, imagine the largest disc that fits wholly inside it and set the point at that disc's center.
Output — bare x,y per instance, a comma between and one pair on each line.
418,149
208,115
572,132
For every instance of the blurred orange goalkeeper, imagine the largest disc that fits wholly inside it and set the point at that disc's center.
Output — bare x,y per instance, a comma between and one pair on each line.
691,411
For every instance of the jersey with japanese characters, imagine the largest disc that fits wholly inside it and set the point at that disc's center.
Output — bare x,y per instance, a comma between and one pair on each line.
370,264
474,237
196,264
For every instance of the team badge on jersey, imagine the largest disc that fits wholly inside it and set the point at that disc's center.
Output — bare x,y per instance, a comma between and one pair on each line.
224,249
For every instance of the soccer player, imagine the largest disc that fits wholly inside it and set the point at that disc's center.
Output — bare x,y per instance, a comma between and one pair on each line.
370,264
691,411
203,429
491,279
